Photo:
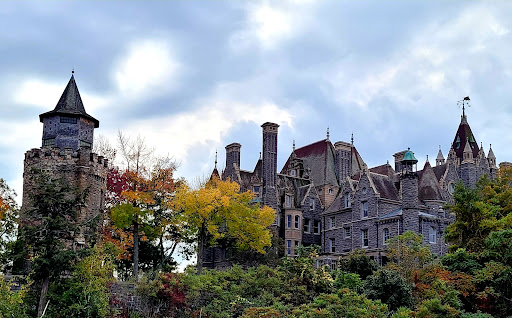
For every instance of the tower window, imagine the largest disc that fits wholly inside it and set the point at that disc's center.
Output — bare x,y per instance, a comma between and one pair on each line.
68,120
48,142
85,144
289,221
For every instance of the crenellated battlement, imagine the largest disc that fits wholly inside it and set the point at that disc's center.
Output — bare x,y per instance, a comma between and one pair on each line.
56,156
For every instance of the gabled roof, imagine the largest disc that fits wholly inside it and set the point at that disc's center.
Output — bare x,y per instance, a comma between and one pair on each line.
319,158
70,103
463,136
428,184
384,169
384,186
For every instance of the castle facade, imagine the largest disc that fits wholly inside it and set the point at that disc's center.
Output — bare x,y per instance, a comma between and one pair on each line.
326,195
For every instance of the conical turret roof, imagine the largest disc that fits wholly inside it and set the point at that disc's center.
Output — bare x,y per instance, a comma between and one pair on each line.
70,103
440,154
491,153
463,136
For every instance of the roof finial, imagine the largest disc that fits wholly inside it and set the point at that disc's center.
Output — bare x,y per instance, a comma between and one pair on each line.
215,158
73,70
293,145
439,147
427,158
260,155
464,102
352,139
327,132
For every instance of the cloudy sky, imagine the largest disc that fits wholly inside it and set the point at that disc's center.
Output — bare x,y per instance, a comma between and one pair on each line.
194,76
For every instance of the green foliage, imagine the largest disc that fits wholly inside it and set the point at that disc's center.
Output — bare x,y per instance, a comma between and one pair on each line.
434,308
461,261
408,254
359,263
390,287
346,280
86,292
8,220
344,303
11,302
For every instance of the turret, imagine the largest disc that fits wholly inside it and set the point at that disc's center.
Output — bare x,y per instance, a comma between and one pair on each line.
232,161
468,169
440,157
409,191
68,125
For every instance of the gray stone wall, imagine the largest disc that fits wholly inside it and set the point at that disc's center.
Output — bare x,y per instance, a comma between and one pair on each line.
232,159
311,216
81,169
468,174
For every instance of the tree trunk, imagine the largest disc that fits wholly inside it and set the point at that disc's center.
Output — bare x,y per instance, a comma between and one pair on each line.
42,298
136,250
200,250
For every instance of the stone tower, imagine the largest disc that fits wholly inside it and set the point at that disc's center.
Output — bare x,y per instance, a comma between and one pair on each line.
232,161
467,167
409,191
66,153
269,165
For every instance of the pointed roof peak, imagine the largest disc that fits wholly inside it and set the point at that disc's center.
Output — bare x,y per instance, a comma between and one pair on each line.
467,148
70,103
440,154
491,153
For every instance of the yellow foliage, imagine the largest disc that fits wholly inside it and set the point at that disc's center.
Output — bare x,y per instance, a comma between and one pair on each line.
222,211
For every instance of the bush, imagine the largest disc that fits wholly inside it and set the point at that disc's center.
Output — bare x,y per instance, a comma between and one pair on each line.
390,287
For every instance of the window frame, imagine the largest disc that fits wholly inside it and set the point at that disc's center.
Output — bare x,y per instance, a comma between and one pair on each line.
385,235
364,238
432,235
306,224
346,200
332,245
332,222
347,233
289,221
289,247
316,226
311,204
297,221
363,210
288,201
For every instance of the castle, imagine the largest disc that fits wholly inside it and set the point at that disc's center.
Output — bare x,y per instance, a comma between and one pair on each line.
326,195
66,152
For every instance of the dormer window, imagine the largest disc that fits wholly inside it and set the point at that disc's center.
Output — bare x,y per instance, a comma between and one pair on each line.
346,200
331,191
364,190
293,173
256,189
311,204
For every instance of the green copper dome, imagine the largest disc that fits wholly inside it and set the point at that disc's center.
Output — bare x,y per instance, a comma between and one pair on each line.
409,156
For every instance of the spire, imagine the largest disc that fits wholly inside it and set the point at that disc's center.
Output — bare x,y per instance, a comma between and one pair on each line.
215,158
70,104
327,132
440,157
427,158
293,146
467,155
352,139
491,153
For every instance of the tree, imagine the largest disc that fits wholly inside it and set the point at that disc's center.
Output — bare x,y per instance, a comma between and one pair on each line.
390,287
140,197
8,218
218,210
408,254
359,263
49,231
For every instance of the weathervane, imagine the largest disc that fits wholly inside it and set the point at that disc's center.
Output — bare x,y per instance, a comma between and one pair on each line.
464,102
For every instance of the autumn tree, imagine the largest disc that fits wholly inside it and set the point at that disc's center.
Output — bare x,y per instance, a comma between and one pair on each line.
140,195
8,218
218,210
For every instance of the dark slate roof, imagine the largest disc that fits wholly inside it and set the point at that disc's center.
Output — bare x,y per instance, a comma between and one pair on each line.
428,184
440,170
463,134
391,214
384,169
215,174
70,103
336,205
385,186
319,158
